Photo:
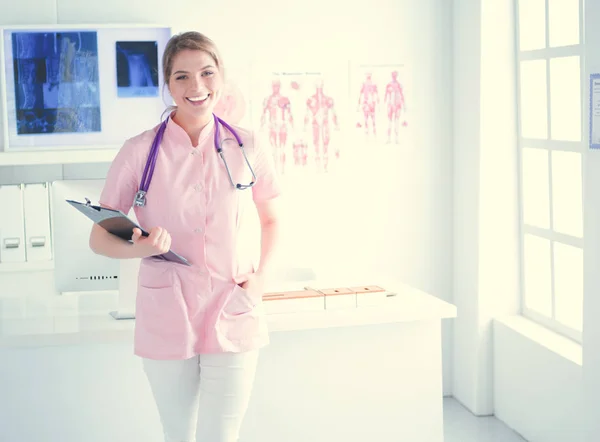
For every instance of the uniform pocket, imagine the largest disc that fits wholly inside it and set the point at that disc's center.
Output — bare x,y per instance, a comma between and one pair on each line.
161,310
240,302
240,319
155,274
162,300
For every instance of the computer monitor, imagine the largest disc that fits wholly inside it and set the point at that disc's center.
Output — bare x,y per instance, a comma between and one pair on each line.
76,267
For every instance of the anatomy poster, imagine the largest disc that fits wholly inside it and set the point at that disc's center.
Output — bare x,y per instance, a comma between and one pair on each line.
297,113
380,95
233,105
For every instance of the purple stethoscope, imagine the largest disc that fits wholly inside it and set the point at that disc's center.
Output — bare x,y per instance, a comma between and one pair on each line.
140,196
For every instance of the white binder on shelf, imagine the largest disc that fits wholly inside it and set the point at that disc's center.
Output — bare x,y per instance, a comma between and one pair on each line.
12,226
36,205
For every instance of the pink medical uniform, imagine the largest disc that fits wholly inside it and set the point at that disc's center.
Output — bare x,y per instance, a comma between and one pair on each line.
184,311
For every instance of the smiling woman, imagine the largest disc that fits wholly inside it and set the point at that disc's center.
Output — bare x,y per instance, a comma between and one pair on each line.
193,72
204,322
195,86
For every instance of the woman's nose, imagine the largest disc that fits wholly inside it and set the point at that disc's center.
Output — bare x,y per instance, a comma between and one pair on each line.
197,82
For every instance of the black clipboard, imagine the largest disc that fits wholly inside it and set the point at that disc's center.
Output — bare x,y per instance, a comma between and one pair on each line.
119,224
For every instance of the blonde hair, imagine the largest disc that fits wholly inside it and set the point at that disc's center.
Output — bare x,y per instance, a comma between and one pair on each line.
191,40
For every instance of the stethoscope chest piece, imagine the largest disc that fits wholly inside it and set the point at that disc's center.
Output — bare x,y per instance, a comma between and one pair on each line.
140,199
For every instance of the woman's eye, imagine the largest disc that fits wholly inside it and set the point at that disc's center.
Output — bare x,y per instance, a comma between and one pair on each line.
181,77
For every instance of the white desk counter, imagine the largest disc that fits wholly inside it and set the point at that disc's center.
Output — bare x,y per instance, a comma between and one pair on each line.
353,374
57,320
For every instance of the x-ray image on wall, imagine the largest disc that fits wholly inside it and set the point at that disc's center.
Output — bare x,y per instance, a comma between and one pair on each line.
56,82
137,68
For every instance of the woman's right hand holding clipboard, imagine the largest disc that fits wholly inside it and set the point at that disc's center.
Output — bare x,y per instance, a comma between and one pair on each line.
157,243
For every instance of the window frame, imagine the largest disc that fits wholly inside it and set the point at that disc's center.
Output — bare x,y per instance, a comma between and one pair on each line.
547,145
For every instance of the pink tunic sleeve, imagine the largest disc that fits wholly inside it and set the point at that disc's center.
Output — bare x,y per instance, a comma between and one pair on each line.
267,185
121,181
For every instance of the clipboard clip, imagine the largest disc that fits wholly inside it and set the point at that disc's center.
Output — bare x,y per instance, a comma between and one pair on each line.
89,204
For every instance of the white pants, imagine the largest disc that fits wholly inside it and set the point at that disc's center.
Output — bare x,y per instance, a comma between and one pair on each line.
206,396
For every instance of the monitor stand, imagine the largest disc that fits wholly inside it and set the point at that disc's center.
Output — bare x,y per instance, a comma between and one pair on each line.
128,277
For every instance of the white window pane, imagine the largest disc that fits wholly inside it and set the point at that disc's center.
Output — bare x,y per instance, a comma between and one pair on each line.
537,274
532,24
567,196
565,99
564,22
536,187
568,285
534,99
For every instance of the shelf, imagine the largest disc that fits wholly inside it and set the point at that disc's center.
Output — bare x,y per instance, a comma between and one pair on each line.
63,156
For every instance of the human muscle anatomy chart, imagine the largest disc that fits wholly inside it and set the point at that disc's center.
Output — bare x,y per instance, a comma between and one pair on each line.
232,105
368,101
296,114
320,114
277,112
383,92
394,99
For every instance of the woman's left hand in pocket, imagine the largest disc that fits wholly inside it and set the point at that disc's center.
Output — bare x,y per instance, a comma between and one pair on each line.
254,285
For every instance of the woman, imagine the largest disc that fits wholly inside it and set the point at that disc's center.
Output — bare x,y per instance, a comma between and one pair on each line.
199,327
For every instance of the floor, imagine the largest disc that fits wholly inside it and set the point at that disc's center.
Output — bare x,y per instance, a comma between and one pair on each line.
461,426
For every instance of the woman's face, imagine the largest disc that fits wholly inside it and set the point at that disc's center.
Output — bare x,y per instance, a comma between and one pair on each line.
195,83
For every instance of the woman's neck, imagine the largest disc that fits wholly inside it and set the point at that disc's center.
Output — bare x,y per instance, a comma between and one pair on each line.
192,126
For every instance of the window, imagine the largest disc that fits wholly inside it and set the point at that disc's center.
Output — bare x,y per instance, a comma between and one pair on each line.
549,75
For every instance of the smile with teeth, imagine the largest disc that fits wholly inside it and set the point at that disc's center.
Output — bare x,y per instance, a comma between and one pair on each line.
198,99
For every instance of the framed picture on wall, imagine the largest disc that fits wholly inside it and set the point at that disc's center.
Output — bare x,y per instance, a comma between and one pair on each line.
80,86
380,95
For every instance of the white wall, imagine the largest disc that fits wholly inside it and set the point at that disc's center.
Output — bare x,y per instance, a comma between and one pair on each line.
417,212
485,192
537,382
